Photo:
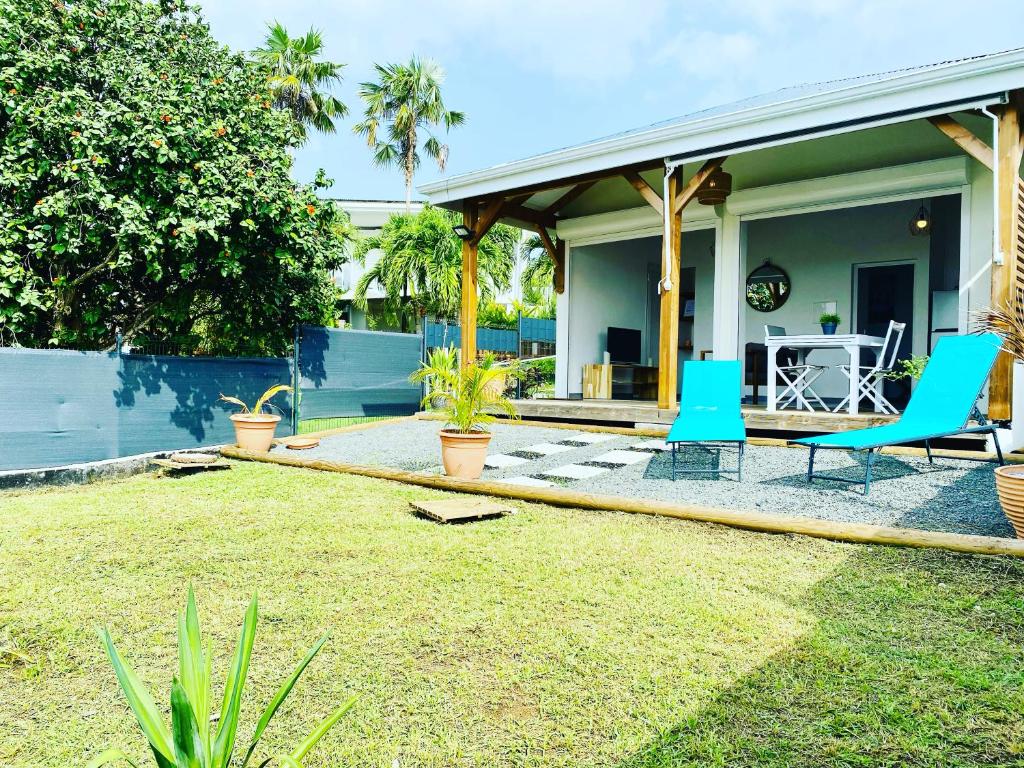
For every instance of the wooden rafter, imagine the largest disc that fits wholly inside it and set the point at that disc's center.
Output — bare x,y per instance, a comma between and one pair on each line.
556,252
529,215
965,139
647,192
488,217
690,189
567,198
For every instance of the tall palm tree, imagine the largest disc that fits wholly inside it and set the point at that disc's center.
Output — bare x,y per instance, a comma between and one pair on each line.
537,278
405,100
420,266
299,79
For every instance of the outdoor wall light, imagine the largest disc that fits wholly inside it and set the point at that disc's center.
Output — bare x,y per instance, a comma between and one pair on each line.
715,189
921,224
463,232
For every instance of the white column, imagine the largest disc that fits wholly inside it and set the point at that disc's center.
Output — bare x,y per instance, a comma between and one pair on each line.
730,248
562,330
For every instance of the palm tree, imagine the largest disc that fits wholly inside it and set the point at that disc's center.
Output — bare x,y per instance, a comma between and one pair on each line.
420,266
539,271
298,78
406,100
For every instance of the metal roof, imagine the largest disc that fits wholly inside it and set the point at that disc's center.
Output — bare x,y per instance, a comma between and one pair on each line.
792,109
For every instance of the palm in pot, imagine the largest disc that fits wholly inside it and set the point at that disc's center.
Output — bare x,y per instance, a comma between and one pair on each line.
471,398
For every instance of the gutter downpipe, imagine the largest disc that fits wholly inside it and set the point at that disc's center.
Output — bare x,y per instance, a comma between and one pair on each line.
667,213
997,251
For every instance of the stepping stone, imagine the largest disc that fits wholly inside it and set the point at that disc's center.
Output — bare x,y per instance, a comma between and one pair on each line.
455,510
590,438
621,457
502,460
575,472
532,482
546,449
651,445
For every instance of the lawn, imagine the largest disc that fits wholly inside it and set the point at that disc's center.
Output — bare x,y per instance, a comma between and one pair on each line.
549,638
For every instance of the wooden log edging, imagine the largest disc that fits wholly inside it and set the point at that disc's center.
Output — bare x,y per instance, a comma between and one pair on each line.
856,533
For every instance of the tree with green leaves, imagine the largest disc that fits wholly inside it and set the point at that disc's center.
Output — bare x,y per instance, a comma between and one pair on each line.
404,101
537,278
146,185
420,264
298,77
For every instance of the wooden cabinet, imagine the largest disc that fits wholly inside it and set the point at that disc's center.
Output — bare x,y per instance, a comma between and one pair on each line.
613,381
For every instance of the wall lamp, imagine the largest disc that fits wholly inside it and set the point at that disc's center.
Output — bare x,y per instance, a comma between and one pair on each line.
463,232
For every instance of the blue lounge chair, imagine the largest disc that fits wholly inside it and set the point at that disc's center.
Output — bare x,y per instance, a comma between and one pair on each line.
709,410
943,402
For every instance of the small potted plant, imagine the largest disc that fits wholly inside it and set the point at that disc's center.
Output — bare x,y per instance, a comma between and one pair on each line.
1008,323
469,397
829,322
254,429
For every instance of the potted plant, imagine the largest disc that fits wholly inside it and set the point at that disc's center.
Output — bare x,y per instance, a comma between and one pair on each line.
829,322
1008,323
254,430
469,398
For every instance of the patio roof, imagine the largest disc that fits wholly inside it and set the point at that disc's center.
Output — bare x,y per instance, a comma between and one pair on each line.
783,116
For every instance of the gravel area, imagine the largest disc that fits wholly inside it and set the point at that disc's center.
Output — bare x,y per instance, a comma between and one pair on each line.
955,496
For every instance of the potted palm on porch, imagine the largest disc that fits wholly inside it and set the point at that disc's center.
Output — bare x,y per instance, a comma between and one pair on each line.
470,397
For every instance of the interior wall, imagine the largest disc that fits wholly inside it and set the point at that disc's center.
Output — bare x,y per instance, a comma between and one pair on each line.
607,287
819,251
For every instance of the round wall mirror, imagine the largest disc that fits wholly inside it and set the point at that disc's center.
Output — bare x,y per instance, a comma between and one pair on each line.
767,287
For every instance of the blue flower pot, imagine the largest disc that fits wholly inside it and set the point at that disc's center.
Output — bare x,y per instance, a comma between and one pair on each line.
828,329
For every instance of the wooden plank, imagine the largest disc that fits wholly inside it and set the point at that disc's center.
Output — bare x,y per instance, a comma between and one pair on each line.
668,339
559,276
860,533
460,510
469,287
965,139
487,219
529,215
647,192
597,381
689,191
568,198
530,190
1004,276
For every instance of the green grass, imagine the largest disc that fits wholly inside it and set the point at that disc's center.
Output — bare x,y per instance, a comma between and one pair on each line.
548,638
317,425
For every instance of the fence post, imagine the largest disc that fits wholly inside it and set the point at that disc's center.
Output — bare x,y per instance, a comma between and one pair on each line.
519,352
295,381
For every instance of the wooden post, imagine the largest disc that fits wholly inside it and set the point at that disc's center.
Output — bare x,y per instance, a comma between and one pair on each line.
470,214
1005,275
668,339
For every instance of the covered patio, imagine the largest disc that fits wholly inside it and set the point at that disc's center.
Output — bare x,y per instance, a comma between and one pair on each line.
658,236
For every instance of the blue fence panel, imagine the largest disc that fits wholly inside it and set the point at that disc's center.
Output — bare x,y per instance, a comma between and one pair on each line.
538,329
62,407
487,339
343,372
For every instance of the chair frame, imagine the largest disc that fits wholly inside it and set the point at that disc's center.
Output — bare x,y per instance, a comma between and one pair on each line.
867,383
740,446
797,380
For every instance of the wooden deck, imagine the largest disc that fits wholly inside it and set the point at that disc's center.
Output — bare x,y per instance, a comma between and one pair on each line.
639,412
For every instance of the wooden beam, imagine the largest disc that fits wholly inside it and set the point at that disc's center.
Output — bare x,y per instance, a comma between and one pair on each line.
470,217
965,139
570,196
608,173
487,219
529,215
559,277
1005,276
689,191
668,338
647,192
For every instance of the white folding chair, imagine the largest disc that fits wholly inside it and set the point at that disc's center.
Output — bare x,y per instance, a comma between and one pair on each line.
797,379
871,375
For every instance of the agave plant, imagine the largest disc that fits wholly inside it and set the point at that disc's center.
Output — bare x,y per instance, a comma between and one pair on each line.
469,396
198,738
258,407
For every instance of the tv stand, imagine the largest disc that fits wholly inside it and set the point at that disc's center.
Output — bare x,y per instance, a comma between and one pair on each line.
620,381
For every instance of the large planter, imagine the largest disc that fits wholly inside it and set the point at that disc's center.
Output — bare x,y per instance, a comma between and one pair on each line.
1010,488
463,454
255,431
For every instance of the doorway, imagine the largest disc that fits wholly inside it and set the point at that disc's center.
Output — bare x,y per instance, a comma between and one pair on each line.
884,292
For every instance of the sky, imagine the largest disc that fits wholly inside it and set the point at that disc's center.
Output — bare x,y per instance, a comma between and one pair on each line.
537,75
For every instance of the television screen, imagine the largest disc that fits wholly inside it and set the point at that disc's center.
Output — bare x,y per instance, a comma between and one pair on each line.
624,345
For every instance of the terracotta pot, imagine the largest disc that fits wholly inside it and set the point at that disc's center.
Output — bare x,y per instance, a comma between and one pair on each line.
1010,487
255,432
463,454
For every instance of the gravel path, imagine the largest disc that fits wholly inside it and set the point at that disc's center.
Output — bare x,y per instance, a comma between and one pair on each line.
955,496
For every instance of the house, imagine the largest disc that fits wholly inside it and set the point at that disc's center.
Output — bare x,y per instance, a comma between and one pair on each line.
874,197
368,217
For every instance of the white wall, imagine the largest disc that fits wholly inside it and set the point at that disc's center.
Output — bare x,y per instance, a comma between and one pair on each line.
819,251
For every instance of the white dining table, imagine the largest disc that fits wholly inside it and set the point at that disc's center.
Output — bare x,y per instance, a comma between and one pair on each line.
852,343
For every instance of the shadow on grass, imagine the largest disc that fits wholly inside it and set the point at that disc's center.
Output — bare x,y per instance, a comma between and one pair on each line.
915,660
